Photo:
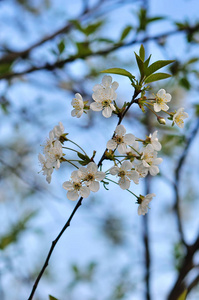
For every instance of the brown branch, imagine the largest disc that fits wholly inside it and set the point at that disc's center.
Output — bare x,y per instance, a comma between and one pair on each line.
177,179
187,266
61,63
75,209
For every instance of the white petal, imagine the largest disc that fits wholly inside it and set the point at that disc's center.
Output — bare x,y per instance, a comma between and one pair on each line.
92,167
156,145
126,165
95,106
161,93
156,107
84,191
157,161
72,195
133,175
67,185
94,186
153,170
114,170
97,87
124,183
111,144
120,130
107,112
78,97
106,80
122,148
82,172
115,85
129,138
75,176
100,175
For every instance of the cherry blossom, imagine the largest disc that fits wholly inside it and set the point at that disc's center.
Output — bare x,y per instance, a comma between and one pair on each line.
154,141
161,99
75,187
179,116
143,203
126,174
120,140
78,106
90,175
46,171
54,155
150,160
104,94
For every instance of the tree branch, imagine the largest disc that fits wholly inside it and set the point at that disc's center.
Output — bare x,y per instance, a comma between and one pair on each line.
177,179
61,63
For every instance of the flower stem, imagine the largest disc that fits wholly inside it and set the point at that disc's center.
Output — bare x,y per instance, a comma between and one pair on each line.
78,146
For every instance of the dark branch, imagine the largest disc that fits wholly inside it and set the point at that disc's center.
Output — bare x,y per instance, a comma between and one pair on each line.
61,63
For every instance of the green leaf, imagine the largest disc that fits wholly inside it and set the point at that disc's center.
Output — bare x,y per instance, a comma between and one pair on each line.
146,63
156,77
183,295
140,64
61,46
155,19
157,65
184,82
92,28
119,71
125,32
142,52
52,298
83,48
5,68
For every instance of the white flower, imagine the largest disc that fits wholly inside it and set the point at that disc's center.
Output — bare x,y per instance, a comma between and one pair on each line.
134,149
179,116
125,173
142,171
58,130
143,206
104,94
154,141
161,99
90,175
54,155
120,140
46,171
150,160
49,142
75,188
78,106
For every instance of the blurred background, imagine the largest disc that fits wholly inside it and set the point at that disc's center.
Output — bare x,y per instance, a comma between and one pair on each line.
49,51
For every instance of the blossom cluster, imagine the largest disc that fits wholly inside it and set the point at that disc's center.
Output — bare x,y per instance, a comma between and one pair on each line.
136,158
52,152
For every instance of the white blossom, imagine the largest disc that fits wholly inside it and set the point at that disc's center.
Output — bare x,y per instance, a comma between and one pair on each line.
154,141
75,187
78,106
150,160
161,99
58,130
141,169
46,171
54,155
120,140
179,116
126,174
90,175
143,206
104,94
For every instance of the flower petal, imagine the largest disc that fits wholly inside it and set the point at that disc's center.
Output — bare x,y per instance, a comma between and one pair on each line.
72,195
94,186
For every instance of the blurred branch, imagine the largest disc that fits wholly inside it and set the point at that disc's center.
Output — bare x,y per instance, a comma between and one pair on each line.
187,266
180,164
61,63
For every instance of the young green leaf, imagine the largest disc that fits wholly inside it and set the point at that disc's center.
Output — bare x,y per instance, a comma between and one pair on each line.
61,46
157,65
146,63
140,64
125,32
183,295
52,298
142,52
156,77
119,71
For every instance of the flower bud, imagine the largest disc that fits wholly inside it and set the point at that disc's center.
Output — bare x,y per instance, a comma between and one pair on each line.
161,120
